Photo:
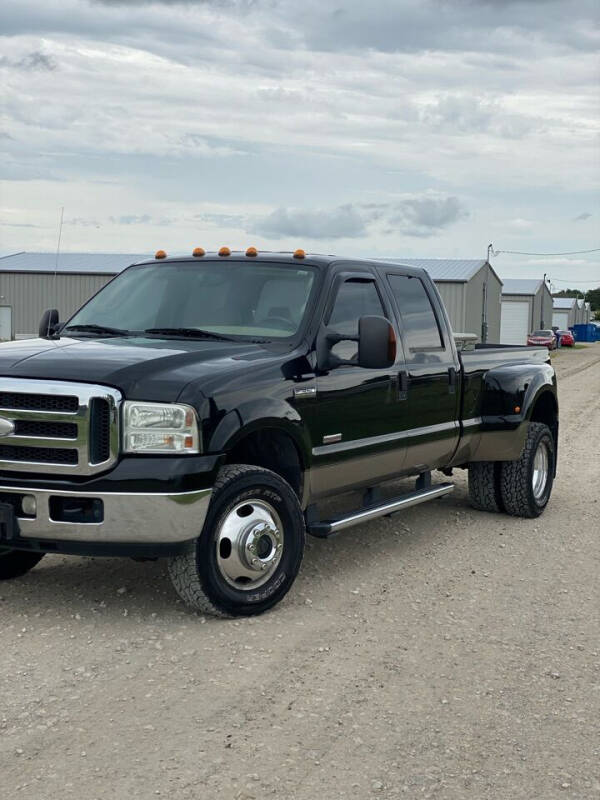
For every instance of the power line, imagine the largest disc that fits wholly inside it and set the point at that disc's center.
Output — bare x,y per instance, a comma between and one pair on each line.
574,283
569,253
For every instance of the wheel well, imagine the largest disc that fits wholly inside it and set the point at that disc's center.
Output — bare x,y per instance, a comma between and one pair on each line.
546,411
271,449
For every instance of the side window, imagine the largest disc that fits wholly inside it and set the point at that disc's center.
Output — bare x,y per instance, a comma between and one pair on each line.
421,328
355,299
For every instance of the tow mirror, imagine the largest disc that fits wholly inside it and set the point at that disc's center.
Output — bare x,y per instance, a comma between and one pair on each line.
376,343
48,323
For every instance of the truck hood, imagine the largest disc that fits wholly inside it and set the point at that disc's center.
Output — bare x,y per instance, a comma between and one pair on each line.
141,368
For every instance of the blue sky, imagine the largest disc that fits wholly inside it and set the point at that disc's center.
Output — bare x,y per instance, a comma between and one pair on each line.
399,127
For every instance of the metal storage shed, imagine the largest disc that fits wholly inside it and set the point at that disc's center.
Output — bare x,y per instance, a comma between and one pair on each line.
588,312
526,306
470,289
564,312
32,282
580,314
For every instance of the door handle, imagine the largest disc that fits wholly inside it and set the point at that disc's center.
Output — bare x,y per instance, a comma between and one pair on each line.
451,380
403,385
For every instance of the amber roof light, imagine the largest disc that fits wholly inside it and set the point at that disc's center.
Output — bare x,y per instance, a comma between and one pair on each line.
252,252
224,251
160,254
198,252
299,254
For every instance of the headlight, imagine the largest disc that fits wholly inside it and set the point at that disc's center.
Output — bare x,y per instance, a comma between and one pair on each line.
160,428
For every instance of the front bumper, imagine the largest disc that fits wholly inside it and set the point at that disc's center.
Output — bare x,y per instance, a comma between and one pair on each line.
132,518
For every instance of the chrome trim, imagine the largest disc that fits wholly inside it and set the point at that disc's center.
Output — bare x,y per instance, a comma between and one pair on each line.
332,438
128,518
412,499
370,441
309,391
85,393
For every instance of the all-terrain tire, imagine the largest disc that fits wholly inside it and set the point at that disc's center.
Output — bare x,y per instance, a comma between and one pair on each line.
196,574
14,563
517,479
484,485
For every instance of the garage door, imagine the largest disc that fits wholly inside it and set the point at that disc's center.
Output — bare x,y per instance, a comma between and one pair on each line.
514,323
560,319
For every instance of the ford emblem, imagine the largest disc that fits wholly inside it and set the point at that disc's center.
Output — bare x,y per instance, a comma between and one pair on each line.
6,427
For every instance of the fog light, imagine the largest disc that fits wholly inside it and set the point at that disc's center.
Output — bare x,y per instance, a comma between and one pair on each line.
29,505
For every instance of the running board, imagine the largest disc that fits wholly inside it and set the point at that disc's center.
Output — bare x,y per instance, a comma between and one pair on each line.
325,528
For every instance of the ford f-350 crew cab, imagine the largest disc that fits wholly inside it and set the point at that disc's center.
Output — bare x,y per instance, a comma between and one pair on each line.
202,409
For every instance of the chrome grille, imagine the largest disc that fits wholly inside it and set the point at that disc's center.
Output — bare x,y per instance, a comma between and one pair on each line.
58,426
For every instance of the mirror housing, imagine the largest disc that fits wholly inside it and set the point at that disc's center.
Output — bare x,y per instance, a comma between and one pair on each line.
48,324
376,343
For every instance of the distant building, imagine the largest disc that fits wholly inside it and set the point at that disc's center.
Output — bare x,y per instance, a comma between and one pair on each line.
32,282
526,306
564,314
470,289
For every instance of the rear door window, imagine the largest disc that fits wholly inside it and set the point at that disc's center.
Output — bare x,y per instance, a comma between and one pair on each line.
422,330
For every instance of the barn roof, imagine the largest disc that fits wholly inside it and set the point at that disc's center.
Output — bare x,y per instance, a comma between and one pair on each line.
459,270
528,286
563,302
108,263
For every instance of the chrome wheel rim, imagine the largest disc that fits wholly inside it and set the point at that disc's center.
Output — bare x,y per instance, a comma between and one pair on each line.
249,544
539,476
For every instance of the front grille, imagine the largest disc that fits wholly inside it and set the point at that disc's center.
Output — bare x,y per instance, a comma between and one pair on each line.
39,402
57,426
38,455
46,430
99,431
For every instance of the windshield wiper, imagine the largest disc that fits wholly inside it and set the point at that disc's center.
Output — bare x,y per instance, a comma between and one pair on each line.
102,329
193,333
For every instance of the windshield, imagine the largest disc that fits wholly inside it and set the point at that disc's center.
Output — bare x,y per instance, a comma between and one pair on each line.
229,299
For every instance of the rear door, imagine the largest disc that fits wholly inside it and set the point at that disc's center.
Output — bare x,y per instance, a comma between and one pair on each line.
430,374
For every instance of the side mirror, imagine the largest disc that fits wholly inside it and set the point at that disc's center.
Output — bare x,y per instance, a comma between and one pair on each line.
48,323
376,343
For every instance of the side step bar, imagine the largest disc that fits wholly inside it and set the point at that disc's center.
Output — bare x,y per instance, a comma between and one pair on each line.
325,528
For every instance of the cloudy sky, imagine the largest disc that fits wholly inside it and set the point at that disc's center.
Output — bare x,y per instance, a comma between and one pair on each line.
391,127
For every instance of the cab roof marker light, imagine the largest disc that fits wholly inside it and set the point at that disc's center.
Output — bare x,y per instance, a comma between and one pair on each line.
160,254
198,252
252,252
299,253
224,251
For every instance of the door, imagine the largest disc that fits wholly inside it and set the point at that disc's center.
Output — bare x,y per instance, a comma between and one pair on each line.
5,323
431,376
560,320
514,322
357,409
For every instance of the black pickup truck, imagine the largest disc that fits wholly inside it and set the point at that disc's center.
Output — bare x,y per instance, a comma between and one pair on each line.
202,408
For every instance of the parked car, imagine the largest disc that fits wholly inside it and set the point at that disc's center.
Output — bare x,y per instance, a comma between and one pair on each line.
201,408
542,338
566,338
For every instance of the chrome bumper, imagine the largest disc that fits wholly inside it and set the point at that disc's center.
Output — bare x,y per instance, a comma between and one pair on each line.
128,518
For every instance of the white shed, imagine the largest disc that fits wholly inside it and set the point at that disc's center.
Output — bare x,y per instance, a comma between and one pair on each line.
526,306
564,312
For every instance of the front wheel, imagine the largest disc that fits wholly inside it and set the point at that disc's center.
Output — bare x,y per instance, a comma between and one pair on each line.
14,563
526,484
250,549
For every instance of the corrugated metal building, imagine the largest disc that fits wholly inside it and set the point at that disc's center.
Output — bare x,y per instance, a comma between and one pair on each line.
588,313
526,306
32,282
564,313
470,290
581,313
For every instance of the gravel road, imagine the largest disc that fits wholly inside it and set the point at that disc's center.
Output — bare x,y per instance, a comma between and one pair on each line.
441,653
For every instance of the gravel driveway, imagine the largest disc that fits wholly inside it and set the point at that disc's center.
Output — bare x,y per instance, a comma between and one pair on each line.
441,653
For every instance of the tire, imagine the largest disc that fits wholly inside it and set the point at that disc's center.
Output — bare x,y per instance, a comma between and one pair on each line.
14,563
526,484
484,485
254,519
